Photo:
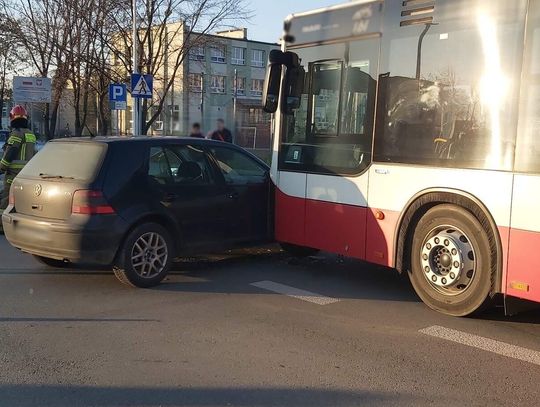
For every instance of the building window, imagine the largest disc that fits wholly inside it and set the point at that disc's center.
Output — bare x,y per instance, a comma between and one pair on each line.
238,56
239,85
196,53
217,55
195,82
217,84
257,86
257,116
258,58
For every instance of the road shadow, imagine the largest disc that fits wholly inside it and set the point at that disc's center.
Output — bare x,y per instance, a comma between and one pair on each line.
497,314
78,396
52,319
325,274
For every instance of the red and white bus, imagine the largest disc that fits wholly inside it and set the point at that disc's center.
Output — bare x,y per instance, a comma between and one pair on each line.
407,134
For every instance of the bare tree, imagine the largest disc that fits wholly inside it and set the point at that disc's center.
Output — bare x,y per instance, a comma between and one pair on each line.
86,44
167,30
7,59
37,26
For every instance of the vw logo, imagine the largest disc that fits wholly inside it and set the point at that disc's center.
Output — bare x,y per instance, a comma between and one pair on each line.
37,189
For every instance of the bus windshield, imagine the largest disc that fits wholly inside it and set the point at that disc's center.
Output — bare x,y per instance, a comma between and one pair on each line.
332,128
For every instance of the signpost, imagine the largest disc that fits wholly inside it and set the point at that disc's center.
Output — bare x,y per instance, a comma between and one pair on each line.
31,90
118,96
118,101
142,86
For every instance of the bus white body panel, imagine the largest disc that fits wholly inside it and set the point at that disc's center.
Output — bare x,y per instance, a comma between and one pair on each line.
398,102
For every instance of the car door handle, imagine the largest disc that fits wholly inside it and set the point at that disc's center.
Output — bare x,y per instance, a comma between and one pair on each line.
234,195
170,197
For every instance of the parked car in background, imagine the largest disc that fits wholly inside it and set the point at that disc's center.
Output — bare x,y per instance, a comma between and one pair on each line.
136,204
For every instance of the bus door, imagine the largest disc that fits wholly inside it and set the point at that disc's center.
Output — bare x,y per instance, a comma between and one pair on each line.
326,148
340,132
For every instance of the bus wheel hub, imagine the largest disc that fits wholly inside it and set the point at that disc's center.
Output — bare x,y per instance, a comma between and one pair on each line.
448,259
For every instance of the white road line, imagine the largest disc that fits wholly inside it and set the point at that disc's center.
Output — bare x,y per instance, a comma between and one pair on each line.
489,345
295,292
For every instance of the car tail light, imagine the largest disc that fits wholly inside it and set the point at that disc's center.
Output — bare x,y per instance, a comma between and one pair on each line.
88,202
11,197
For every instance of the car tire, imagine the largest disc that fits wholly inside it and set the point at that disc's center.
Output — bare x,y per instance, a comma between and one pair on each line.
53,263
298,251
145,257
451,268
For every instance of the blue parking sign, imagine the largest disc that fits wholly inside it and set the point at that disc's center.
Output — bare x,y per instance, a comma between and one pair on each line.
118,96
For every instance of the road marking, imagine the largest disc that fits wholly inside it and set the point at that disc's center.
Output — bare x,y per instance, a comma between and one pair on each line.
479,342
295,292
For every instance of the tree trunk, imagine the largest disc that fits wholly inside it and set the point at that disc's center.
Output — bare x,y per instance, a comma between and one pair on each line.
54,119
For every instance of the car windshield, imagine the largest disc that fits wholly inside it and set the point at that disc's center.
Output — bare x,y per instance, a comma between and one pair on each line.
66,160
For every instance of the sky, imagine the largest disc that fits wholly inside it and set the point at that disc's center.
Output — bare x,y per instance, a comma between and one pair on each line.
267,22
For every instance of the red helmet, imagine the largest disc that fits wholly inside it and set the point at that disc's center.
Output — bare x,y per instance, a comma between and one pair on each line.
18,112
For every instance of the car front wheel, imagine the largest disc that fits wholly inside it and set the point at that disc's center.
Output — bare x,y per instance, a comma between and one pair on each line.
145,257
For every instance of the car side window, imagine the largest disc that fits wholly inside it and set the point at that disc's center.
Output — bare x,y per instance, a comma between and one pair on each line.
158,166
179,165
237,167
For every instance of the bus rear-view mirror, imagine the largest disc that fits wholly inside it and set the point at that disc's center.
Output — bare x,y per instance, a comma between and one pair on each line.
293,90
271,88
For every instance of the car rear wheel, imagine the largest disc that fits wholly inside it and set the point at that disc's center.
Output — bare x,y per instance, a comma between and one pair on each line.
145,257
54,263
450,261
298,251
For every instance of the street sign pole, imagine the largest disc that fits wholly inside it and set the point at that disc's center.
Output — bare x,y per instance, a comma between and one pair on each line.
136,101
234,104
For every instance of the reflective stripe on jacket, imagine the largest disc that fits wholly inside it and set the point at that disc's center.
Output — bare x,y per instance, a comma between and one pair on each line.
19,149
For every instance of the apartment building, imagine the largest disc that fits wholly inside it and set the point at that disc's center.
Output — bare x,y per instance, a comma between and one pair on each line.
222,77
225,79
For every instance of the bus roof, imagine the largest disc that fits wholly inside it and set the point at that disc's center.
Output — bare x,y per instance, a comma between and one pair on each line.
353,19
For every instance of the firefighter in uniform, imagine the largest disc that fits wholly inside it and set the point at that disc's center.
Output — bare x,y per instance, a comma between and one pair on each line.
18,150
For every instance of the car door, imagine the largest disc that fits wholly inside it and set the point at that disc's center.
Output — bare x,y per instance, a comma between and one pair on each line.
185,183
248,186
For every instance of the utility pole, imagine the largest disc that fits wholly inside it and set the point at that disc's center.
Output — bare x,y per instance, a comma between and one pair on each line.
136,102
202,100
234,105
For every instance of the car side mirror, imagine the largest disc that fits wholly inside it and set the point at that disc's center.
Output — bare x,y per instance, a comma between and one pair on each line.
271,88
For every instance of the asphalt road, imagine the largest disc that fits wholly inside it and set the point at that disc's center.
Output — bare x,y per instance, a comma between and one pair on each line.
217,333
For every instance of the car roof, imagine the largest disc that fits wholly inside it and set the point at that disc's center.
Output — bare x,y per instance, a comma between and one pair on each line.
155,140
131,139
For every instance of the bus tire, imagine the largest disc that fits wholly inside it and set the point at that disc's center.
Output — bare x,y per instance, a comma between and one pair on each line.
298,251
450,261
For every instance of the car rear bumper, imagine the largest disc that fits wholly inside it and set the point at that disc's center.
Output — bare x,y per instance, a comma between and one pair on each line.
89,240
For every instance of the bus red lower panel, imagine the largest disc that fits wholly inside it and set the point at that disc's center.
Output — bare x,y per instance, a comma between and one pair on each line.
290,218
380,236
523,274
336,228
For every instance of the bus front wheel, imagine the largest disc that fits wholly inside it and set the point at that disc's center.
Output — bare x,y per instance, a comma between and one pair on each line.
450,261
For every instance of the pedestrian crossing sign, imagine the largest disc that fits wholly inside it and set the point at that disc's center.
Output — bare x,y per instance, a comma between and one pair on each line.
141,86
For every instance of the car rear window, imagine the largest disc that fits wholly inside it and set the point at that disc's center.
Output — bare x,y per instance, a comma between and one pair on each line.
75,160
